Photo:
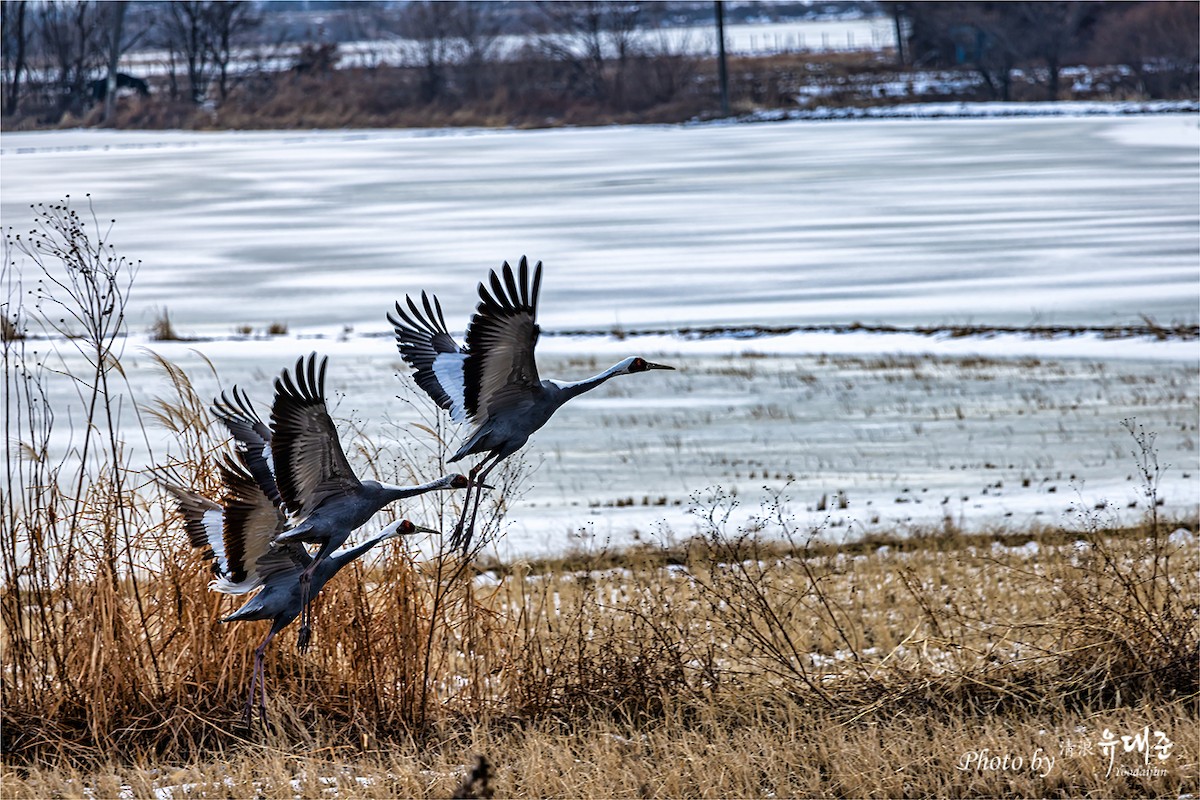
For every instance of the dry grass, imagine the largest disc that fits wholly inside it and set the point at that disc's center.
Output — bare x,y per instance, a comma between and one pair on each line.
635,681
745,663
162,329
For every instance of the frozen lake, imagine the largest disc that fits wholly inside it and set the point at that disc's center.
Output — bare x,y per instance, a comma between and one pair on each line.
1005,221
904,221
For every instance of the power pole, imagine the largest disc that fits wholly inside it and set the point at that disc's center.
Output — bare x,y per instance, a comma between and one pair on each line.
722,72
898,11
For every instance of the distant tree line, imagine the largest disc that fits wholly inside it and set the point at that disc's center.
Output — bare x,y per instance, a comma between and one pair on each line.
199,52
54,52
1158,41
190,63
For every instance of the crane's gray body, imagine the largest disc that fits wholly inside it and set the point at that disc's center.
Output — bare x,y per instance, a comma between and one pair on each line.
331,523
280,599
506,432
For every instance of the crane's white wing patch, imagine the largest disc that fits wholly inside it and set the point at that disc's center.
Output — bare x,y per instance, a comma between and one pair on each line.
448,369
214,530
226,586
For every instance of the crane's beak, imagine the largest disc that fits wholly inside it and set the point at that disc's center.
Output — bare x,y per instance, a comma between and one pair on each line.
422,529
485,486
650,365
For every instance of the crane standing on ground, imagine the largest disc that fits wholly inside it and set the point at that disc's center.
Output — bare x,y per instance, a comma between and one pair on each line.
492,382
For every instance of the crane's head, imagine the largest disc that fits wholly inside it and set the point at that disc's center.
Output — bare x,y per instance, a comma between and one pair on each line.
403,527
461,482
638,364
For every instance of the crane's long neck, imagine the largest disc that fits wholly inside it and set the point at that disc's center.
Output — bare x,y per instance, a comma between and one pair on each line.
389,492
569,390
343,557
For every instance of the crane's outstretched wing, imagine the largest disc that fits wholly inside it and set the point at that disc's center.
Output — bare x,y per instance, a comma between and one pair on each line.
252,521
204,522
310,465
500,369
253,438
236,536
427,346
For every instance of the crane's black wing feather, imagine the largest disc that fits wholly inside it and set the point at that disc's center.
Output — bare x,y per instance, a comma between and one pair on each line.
500,370
253,438
427,346
203,521
252,521
310,464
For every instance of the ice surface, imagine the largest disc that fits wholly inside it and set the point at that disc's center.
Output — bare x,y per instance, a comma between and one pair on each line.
1009,221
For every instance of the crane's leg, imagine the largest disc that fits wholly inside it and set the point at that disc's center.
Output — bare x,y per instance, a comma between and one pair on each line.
259,679
456,538
249,712
305,634
470,531
262,685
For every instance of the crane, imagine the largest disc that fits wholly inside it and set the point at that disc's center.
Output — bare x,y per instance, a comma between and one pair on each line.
493,382
299,463
237,536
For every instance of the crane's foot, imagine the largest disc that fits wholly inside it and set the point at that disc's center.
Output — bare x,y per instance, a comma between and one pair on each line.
248,716
303,638
460,539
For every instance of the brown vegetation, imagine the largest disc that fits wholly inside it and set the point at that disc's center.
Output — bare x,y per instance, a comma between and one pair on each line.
742,663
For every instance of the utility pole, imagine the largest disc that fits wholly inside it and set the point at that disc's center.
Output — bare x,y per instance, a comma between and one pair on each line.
898,11
722,72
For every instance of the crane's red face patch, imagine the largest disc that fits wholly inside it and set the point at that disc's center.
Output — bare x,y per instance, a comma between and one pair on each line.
459,482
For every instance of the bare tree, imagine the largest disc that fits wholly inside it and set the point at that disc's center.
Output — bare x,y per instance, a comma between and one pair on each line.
984,36
1159,42
15,33
227,22
587,35
424,23
1052,30
186,36
476,29
577,40
71,40
116,14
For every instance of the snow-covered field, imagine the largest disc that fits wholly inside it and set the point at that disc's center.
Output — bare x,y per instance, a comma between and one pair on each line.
751,38
986,221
